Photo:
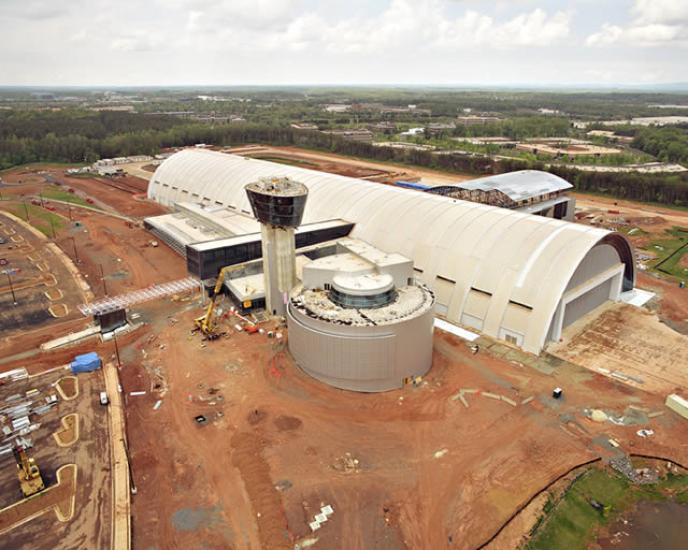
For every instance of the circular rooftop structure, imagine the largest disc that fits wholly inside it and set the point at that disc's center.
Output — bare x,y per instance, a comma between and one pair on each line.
277,201
366,347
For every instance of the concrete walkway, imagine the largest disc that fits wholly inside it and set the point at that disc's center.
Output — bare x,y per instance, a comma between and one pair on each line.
121,514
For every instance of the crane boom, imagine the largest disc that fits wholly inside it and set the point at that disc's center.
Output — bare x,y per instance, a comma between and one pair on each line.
205,323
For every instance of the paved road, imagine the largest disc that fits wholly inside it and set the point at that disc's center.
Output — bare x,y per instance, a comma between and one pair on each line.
121,529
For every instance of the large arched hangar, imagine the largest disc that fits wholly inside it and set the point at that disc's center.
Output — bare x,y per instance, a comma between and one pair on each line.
512,276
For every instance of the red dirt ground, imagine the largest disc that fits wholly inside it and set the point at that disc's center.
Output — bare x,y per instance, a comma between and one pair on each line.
673,303
128,261
259,472
273,449
348,166
115,198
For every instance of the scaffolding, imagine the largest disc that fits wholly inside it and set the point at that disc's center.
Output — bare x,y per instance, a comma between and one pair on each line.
154,292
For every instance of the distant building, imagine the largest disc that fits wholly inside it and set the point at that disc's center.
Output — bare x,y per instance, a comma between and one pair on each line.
528,191
637,121
437,128
352,135
383,127
413,132
337,108
476,120
564,147
391,109
496,140
610,135
404,145
304,126
114,108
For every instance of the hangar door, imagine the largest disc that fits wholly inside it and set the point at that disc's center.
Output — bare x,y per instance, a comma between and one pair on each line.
597,279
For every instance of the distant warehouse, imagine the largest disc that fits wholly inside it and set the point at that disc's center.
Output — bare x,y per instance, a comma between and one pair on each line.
508,274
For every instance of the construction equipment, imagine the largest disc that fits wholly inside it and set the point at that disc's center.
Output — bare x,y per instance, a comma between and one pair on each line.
205,323
28,473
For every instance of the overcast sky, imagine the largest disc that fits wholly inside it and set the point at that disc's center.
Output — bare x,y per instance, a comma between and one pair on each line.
234,42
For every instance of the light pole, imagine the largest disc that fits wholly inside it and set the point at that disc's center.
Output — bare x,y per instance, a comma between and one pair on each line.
114,337
102,277
76,256
9,273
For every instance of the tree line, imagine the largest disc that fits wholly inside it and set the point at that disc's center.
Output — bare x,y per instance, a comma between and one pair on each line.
58,137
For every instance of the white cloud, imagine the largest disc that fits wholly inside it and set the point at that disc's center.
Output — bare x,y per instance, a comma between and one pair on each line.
661,11
607,35
335,41
246,14
136,42
34,9
405,25
655,23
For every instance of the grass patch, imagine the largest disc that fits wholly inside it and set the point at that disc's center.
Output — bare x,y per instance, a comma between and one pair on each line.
669,252
43,220
572,522
41,166
59,194
632,231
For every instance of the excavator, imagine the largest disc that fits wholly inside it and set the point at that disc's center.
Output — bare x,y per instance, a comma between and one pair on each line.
205,323
28,473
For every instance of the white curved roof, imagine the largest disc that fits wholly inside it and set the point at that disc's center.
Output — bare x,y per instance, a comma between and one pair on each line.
509,256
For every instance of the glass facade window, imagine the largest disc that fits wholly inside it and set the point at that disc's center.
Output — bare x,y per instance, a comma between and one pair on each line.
364,302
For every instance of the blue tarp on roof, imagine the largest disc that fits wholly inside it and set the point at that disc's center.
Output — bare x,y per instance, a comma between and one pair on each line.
413,185
86,363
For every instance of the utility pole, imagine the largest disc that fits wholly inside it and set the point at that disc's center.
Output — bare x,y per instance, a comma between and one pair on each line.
102,277
76,256
9,272
52,226
114,337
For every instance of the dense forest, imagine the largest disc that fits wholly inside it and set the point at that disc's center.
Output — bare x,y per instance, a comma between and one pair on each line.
667,144
72,137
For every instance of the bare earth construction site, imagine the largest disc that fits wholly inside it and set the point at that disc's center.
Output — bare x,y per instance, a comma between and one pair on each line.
229,443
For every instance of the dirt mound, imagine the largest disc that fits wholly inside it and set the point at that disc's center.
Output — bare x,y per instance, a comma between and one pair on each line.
265,498
287,423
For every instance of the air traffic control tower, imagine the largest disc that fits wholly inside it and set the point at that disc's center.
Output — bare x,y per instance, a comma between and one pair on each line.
278,204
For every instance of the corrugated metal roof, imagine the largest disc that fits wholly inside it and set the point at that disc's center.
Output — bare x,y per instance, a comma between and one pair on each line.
519,186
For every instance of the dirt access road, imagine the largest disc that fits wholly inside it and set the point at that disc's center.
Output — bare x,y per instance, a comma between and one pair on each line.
631,208
340,164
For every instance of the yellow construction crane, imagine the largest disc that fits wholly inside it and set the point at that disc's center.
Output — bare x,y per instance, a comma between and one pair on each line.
28,473
205,323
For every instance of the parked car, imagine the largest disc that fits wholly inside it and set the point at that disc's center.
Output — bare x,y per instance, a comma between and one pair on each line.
104,398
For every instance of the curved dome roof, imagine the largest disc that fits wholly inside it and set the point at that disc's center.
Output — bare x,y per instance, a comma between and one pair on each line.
518,186
504,254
